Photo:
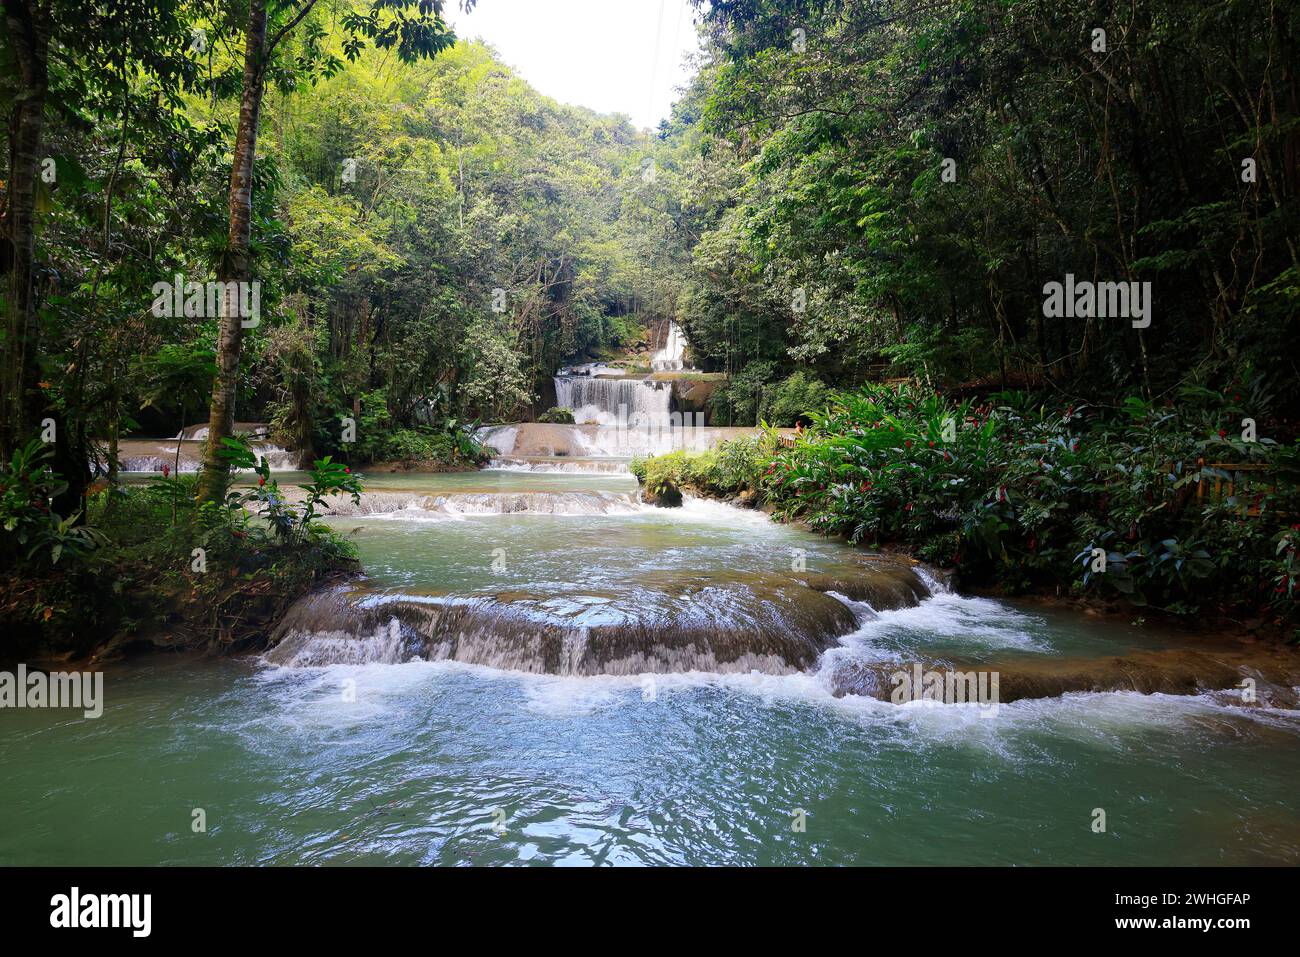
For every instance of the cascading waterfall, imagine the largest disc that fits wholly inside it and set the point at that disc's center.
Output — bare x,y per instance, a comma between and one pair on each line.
151,455
595,391
664,622
594,399
669,358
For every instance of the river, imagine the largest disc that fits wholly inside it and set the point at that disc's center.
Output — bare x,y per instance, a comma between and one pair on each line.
386,757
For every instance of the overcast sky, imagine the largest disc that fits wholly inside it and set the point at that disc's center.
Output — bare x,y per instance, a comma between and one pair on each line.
596,53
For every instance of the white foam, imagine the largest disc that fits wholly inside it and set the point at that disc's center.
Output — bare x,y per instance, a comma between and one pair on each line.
669,358
711,511
979,623
1119,721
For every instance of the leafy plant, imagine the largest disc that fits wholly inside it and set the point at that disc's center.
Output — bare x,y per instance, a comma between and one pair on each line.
31,530
291,522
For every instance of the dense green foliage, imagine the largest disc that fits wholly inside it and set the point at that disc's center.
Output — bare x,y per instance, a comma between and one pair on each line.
431,240
1020,493
34,534
849,191
885,189
805,172
149,564
439,237
557,416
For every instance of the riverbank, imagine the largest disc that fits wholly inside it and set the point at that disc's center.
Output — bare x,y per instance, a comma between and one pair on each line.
149,571
1059,598
67,616
543,645
1157,511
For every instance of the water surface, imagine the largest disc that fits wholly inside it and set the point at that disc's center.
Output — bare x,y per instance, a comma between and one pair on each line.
444,763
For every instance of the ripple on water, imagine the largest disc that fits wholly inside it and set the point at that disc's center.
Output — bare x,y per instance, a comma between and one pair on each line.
462,764
696,767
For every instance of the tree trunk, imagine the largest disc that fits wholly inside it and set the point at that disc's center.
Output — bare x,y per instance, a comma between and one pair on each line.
29,37
235,267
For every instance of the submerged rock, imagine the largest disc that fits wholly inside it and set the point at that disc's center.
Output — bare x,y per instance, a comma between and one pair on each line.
667,496
1165,671
665,622
883,584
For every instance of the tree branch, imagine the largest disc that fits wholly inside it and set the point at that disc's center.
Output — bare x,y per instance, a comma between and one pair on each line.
284,30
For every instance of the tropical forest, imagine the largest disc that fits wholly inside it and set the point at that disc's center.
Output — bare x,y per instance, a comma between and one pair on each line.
654,432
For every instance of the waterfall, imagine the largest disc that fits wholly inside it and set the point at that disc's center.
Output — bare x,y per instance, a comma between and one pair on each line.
594,391
597,400
150,455
669,358
455,505
689,622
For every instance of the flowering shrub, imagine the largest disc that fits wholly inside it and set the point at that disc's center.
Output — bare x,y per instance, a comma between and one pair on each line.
291,522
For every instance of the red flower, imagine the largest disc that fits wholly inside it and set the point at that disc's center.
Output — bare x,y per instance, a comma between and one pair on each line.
261,480
1222,433
347,470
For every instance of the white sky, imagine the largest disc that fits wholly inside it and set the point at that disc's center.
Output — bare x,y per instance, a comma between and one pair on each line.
594,53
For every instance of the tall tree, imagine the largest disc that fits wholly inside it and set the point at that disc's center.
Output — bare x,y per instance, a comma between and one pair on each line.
387,24
69,62
28,23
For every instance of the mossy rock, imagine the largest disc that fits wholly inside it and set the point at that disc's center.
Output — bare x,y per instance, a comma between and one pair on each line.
664,495
556,416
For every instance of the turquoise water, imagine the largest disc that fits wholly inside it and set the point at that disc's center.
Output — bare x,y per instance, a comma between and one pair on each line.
445,763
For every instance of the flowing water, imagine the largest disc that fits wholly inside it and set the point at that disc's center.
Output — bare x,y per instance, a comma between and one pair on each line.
409,748
600,394
670,357
598,397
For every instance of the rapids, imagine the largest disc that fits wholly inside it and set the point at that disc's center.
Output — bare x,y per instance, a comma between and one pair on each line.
538,668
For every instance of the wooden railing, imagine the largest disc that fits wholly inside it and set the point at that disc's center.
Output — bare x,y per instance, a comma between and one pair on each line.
1227,487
